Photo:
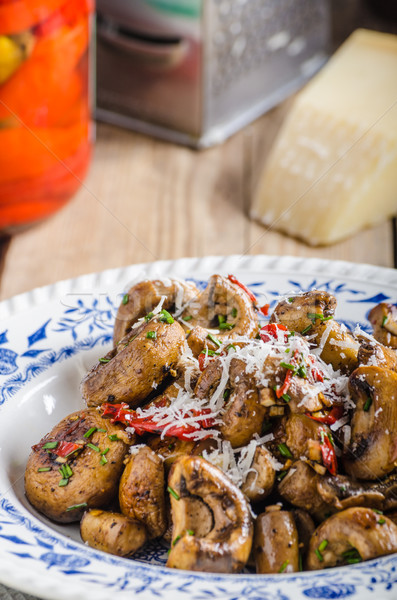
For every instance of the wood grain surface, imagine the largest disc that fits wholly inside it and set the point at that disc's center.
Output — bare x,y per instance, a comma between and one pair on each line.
146,200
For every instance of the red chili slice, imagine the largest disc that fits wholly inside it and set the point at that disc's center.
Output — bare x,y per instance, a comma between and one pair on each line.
270,331
285,387
64,449
334,415
265,309
328,452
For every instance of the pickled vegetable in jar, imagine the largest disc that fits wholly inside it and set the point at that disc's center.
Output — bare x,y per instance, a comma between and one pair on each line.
46,131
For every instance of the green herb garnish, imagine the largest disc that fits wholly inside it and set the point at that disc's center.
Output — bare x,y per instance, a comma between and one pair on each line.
173,493
125,299
151,335
77,506
284,450
90,432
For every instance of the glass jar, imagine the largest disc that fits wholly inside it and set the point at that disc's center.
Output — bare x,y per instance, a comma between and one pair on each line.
46,131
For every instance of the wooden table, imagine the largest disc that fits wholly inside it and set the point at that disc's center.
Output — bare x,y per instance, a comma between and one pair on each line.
145,200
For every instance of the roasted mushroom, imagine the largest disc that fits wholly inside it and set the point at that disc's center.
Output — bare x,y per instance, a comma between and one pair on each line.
212,524
141,363
298,313
223,305
112,532
76,466
144,296
260,480
350,536
141,491
383,319
372,452
276,545
376,354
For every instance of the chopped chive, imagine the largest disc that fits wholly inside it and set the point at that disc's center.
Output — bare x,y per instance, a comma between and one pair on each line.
210,352
187,318
90,432
323,545
288,350
286,397
306,329
77,506
43,469
221,319
93,447
287,366
50,445
367,404
290,334
178,537
105,451
302,372
173,493
319,555
226,325
101,430
149,316
63,482
281,475
314,316
300,562
125,299
381,521
113,437
214,340
284,450
384,320
283,566
103,460
352,556
166,317
226,394
151,335
230,347
378,512
68,470
234,312
290,300
190,531
105,360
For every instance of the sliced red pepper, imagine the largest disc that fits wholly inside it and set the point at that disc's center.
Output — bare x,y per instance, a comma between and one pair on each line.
146,424
64,449
316,374
334,415
285,387
328,452
265,309
271,330
252,297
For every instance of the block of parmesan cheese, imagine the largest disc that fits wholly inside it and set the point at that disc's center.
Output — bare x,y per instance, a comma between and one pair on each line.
333,167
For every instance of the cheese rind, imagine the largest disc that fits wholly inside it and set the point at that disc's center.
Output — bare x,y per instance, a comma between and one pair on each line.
333,167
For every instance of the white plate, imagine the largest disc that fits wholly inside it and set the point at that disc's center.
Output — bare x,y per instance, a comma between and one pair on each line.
48,339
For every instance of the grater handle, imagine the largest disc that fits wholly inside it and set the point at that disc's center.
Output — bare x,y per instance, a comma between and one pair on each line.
152,51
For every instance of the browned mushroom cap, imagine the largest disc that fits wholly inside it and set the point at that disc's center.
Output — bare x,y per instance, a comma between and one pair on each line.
339,348
383,319
302,435
143,297
141,491
352,535
276,546
112,532
62,488
129,374
261,477
211,518
299,312
372,452
225,306
324,494
375,353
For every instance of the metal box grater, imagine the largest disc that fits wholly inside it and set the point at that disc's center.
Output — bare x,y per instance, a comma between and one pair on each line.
196,71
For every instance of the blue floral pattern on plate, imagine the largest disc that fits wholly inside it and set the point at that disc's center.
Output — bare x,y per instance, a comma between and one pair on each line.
86,326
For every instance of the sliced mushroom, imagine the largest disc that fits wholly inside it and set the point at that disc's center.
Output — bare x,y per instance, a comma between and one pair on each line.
143,297
260,480
141,363
376,354
276,545
299,312
112,532
383,319
300,488
141,491
211,518
86,472
352,535
372,452
225,306
338,346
